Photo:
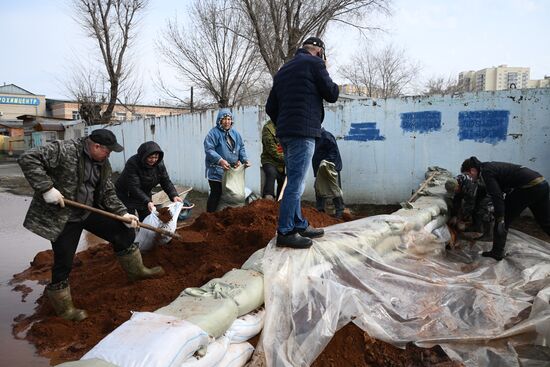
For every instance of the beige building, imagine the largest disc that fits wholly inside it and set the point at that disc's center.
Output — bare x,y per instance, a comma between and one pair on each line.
499,78
16,101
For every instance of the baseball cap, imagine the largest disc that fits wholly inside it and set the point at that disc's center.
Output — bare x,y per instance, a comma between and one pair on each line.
107,138
315,42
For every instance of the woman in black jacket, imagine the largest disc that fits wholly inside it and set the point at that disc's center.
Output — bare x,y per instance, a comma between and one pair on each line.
142,173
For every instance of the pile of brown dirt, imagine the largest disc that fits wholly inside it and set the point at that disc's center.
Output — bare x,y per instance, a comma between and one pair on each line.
213,245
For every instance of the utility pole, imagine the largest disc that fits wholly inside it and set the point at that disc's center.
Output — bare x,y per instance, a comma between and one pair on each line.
191,102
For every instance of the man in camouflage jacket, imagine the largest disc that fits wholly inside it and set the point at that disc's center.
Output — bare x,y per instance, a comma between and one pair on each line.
78,170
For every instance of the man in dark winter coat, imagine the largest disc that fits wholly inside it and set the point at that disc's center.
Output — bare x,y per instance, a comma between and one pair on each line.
295,105
512,188
79,170
142,172
326,149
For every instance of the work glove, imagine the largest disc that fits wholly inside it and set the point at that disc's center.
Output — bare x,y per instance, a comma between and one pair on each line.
133,223
53,196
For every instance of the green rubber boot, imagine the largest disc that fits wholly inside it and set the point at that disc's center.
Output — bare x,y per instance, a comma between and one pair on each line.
131,261
60,298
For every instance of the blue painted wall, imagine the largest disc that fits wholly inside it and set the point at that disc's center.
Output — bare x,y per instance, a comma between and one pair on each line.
364,131
490,126
421,122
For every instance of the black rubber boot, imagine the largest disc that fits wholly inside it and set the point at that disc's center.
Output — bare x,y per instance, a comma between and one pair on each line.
311,232
338,207
60,298
487,232
319,204
499,243
293,240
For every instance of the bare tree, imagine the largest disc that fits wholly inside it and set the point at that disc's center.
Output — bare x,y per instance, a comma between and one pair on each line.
440,85
111,23
383,74
210,53
278,27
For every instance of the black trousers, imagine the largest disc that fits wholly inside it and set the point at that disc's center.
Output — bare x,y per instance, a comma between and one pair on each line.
214,196
142,212
64,247
534,198
272,175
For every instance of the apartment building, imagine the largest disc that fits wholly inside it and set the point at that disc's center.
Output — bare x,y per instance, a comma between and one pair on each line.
499,78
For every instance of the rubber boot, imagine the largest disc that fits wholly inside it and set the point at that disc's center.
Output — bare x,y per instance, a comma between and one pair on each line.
319,203
338,206
131,262
60,298
499,242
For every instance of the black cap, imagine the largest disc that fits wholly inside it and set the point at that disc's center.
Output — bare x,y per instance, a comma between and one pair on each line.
315,42
107,138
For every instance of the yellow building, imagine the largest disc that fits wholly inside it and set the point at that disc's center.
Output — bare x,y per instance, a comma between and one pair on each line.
16,101
499,78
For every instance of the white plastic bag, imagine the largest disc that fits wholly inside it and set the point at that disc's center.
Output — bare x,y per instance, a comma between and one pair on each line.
214,354
150,340
147,239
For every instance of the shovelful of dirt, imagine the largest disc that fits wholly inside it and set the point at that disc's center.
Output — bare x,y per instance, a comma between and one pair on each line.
214,244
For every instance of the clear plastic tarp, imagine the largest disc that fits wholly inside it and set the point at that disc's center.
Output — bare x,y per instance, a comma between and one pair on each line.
400,284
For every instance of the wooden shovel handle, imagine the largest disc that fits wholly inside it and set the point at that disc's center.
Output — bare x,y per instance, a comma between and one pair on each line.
120,218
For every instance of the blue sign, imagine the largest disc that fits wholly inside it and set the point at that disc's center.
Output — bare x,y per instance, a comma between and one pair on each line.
364,131
421,122
487,126
19,100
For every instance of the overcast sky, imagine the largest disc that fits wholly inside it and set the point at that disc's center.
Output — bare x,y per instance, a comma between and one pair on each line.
40,39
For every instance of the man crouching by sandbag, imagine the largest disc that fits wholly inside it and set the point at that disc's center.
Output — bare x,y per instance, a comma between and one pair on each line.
142,172
78,170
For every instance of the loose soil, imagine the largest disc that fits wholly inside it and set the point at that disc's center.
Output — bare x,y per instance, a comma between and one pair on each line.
212,245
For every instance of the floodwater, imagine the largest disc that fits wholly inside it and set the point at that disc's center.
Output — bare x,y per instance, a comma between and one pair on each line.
18,247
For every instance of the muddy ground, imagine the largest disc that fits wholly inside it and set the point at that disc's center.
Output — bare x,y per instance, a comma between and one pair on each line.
211,245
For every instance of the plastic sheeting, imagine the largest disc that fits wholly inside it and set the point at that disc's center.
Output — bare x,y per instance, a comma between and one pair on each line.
401,285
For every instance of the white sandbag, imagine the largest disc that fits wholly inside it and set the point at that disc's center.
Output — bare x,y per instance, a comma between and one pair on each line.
147,239
245,287
87,363
213,357
150,340
246,327
237,355
233,188
254,262
213,315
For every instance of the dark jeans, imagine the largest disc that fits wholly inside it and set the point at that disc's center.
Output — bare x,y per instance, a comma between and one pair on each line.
535,198
214,196
64,247
272,175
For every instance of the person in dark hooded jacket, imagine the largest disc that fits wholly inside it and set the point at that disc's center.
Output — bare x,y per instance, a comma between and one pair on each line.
141,174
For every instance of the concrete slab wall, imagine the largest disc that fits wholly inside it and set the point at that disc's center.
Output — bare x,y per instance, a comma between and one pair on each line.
386,145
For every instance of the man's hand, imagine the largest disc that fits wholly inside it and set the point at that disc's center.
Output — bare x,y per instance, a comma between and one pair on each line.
177,199
224,164
53,196
237,164
151,207
133,218
247,164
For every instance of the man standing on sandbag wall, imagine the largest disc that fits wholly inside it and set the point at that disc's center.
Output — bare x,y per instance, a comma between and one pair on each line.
295,105
512,188
328,183
78,170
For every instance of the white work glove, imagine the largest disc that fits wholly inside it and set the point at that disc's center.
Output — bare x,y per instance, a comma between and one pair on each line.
53,196
133,223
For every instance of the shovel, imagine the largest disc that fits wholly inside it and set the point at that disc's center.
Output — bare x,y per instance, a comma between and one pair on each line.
120,218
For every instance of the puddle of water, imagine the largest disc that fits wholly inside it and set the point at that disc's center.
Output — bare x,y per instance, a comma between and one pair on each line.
18,246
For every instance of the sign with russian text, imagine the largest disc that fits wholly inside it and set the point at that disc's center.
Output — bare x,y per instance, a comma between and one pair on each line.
19,100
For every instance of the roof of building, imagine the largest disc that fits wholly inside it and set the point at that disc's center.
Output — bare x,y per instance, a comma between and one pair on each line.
14,89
